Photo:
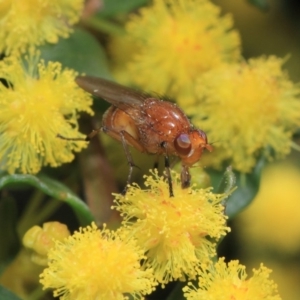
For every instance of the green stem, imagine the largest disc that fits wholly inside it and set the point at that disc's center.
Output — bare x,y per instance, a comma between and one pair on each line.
31,210
47,210
104,25
38,215
228,182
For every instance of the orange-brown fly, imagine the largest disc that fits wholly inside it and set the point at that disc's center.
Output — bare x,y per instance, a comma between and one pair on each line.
148,124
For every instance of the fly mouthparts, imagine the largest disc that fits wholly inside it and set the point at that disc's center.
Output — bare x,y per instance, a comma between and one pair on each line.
209,147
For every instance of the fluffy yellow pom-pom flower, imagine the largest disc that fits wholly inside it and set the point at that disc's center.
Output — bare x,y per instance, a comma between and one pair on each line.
178,234
96,264
33,22
170,43
39,101
248,109
229,281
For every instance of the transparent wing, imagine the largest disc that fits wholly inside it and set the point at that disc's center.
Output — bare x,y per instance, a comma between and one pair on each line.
116,94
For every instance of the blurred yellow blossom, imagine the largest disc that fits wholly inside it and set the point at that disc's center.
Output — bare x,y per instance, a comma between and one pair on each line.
178,234
41,239
34,22
39,101
172,42
96,264
272,221
229,281
248,109
5,6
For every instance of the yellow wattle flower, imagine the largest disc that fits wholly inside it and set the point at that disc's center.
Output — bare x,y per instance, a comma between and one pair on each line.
40,101
96,264
248,110
170,43
230,281
34,22
178,234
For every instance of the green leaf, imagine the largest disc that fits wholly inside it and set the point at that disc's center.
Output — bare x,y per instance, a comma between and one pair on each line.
81,52
113,7
54,189
247,188
5,294
262,4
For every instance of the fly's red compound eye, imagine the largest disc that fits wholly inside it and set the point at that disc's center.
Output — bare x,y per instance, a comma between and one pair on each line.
183,144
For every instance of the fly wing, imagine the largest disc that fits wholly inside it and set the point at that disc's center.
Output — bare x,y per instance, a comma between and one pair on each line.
120,96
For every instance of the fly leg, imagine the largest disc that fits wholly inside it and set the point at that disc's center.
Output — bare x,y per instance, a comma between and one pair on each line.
126,139
129,160
122,136
185,177
86,139
167,167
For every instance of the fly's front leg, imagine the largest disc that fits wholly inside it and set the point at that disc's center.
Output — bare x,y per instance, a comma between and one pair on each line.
185,177
167,167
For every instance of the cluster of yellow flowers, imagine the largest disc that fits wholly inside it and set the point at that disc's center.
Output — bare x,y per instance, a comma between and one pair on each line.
189,52
174,238
38,100
182,48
